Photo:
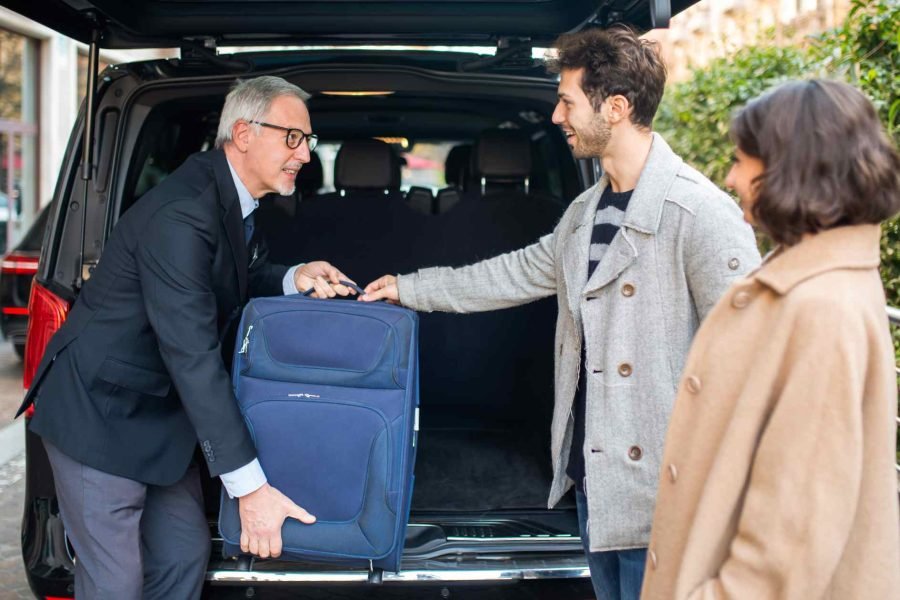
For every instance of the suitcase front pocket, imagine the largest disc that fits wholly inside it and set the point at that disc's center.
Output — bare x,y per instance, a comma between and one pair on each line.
332,458
328,457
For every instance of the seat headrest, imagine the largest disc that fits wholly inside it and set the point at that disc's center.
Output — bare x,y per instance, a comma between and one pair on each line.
366,164
311,177
503,154
456,167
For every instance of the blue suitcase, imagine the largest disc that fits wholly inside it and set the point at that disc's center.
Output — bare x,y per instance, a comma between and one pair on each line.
329,391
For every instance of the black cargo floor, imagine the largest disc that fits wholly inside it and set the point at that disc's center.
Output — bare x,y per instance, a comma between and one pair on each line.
475,470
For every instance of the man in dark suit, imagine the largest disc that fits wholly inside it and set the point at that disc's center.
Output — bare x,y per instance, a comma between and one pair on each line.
136,377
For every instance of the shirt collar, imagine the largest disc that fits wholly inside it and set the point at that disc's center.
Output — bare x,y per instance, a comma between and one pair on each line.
248,202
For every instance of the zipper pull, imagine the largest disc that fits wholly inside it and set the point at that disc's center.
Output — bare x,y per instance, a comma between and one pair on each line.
246,342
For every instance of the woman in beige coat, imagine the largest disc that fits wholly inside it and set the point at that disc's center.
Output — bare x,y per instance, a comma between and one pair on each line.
778,476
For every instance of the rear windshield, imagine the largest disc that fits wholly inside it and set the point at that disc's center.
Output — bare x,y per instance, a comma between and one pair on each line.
175,130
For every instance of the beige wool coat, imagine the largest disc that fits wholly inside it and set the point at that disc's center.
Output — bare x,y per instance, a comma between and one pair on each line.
778,478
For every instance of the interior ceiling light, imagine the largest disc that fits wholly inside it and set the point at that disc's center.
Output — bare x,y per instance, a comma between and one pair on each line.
402,141
359,93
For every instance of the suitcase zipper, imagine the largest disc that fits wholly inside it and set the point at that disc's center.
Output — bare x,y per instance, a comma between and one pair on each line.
246,342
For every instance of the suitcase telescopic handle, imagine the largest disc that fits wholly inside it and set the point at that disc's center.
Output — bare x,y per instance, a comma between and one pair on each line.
349,284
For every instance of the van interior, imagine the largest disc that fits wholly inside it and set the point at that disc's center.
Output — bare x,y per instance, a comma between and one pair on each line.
399,183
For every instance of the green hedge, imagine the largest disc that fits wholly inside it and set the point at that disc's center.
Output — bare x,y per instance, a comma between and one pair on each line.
864,50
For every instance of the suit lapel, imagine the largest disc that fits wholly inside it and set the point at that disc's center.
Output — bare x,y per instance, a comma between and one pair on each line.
232,220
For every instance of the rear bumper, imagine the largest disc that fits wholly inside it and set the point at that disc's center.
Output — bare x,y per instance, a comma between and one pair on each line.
462,570
542,565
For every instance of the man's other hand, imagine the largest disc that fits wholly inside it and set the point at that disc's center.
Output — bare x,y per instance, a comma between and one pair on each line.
383,288
324,278
262,514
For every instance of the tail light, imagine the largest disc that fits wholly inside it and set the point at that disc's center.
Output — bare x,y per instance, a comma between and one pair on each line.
19,264
16,264
48,312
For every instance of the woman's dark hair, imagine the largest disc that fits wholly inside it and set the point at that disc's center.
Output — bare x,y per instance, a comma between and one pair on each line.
827,160
616,62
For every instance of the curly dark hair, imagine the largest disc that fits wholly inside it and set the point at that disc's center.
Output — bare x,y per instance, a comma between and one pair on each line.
616,62
827,159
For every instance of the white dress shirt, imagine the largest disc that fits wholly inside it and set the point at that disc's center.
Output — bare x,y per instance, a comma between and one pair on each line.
250,477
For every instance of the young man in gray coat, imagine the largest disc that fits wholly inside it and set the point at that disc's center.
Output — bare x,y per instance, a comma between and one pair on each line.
636,262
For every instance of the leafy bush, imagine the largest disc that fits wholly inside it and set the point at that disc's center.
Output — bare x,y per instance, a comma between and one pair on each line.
864,51
694,116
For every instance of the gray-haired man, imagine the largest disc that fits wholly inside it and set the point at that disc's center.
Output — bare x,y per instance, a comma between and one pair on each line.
136,376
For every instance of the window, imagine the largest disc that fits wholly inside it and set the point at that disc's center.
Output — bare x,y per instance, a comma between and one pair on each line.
422,162
18,135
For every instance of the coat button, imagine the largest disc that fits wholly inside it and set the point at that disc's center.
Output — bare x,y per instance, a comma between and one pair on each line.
693,384
628,290
673,473
652,556
635,453
733,264
740,299
625,370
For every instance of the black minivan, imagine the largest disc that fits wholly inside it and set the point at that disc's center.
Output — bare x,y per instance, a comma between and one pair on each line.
467,164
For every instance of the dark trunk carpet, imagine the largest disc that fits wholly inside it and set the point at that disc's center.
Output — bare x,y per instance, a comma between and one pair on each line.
475,470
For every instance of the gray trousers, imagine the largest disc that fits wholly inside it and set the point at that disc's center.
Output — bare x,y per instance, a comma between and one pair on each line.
132,540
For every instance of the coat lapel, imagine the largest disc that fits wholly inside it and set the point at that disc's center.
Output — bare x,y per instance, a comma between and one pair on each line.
232,220
643,215
576,248
618,257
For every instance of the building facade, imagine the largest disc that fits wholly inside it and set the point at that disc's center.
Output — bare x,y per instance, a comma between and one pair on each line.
42,85
715,28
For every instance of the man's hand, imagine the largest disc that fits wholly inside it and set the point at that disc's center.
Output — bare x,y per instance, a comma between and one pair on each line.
382,288
262,514
324,278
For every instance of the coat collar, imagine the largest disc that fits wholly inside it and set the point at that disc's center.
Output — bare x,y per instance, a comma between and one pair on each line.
645,208
644,214
850,247
232,219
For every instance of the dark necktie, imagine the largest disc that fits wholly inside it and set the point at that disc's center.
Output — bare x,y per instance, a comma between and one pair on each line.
248,228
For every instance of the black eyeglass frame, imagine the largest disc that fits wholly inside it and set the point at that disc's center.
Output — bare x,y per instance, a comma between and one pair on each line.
311,138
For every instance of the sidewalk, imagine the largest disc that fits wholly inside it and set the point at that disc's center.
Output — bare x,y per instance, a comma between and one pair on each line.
13,584
12,482
12,433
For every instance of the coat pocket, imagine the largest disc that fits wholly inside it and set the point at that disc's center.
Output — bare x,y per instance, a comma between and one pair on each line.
134,378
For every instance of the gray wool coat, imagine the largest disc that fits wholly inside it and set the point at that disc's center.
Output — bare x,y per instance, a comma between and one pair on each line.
681,244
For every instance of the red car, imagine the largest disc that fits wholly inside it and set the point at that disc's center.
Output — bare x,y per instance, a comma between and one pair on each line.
16,274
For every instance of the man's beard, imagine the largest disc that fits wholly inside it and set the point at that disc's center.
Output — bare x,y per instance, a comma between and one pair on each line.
286,190
593,140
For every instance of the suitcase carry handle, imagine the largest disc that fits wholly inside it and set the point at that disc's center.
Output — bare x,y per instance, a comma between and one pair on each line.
349,284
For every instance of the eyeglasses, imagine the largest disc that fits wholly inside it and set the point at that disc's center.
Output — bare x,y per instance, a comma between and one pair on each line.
294,137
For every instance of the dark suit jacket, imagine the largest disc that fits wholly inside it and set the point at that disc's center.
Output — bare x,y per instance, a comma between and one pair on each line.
137,374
